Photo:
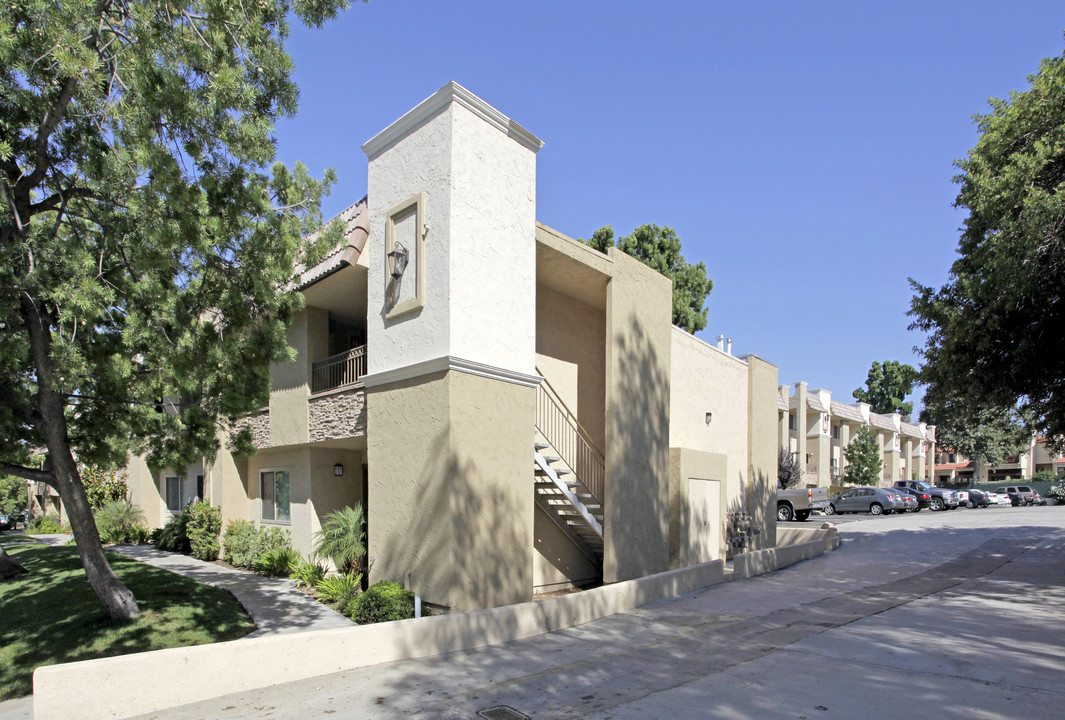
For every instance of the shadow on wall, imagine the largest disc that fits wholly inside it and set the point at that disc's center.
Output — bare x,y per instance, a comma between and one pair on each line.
761,504
637,502
458,544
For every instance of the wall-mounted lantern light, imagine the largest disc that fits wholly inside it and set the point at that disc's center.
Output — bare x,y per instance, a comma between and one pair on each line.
399,257
338,470
709,417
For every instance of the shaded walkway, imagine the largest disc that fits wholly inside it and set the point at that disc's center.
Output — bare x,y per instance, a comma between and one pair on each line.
273,604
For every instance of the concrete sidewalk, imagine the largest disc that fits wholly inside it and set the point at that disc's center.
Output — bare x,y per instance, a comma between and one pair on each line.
274,605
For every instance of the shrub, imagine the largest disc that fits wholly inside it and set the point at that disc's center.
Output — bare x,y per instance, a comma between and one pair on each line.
120,521
204,526
45,525
273,538
174,536
102,487
383,601
307,573
239,544
277,562
343,538
334,587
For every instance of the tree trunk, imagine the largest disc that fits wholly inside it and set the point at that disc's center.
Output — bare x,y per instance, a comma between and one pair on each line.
9,567
116,597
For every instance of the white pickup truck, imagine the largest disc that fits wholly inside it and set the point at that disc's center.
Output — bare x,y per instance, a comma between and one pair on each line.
798,503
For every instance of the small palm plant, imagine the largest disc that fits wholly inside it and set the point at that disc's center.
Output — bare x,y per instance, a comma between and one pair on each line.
343,538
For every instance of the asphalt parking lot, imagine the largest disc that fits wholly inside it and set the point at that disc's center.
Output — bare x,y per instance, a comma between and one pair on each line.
953,614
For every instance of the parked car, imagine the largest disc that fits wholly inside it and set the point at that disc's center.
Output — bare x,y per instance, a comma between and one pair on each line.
1038,499
1002,499
1023,490
871,500
910,500
977,498
922,498
963,497
941,498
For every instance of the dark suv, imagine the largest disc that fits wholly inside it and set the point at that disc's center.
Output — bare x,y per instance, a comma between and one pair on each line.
940,498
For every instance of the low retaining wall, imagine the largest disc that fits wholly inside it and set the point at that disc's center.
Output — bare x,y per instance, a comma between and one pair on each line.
819,541
144,682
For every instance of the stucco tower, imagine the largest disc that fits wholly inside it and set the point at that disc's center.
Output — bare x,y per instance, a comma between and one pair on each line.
451,349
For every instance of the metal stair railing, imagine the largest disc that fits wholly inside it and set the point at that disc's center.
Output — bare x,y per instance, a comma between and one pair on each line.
559,427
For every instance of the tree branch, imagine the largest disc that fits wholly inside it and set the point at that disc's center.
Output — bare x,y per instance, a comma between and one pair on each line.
26,473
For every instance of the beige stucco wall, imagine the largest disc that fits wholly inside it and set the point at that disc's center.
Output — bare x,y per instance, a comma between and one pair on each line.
705,379
686,467
144,490
451,488
762,397
313,490
308,335
639,314
570,353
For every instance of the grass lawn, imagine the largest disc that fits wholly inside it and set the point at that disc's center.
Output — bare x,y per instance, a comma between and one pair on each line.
51,615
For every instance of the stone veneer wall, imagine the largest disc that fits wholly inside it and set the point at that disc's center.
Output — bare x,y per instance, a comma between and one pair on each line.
338,414
260,428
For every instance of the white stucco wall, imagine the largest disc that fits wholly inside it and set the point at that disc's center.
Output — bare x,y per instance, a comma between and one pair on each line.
479,181
493,246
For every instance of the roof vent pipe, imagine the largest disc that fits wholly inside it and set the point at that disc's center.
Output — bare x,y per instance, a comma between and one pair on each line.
720,342
728,348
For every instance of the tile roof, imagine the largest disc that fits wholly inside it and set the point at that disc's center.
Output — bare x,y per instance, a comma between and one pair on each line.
356,222
847,412
881,421
912,429
782,404
815,403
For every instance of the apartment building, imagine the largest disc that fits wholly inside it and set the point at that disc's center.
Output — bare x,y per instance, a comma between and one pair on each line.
815,429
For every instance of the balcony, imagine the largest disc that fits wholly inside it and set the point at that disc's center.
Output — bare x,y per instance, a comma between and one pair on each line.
338,371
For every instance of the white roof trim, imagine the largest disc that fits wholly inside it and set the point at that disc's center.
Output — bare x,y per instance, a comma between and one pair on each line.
435,103
450,362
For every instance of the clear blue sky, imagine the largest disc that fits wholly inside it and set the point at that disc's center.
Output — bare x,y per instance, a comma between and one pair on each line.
802,150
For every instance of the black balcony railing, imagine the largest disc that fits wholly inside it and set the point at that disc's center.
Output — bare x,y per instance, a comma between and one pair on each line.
340,370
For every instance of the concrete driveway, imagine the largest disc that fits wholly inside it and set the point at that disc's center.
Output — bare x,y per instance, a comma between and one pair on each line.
956,614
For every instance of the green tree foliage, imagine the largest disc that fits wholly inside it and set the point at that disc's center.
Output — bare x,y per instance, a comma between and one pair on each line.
13,496
659,248
986,435
103,486
146,242
887,386
863,459
994,329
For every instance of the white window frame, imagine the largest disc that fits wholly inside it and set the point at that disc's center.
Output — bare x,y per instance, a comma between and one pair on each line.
262,503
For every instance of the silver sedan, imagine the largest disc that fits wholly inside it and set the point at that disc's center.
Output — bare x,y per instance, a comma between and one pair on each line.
871,500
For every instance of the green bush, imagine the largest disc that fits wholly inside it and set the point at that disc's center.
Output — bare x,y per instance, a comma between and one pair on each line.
383,601
174,536
239,544
343,538
277,562
307,573
45,525
273,538
120,521
334,587
204,526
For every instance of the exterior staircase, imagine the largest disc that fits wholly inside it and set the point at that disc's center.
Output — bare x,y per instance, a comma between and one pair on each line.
569,473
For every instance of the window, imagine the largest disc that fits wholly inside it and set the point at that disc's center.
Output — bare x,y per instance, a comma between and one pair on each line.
199,486
835,432
791,422
173,493
275,498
